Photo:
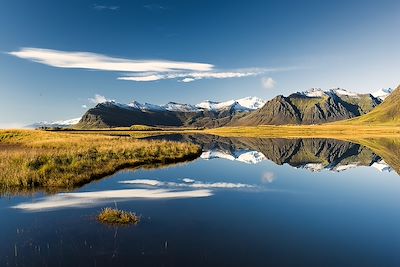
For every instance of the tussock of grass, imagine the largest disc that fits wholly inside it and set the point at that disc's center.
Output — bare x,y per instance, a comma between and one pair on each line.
30,159
116,216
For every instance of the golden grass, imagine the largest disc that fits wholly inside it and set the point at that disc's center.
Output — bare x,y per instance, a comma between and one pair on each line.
144,128
30,159
116,216
308,131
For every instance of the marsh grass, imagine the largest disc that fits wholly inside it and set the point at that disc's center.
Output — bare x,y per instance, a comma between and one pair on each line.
117,217
31,159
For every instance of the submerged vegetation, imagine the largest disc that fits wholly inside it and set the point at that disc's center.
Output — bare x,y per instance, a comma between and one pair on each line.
116,216
31,159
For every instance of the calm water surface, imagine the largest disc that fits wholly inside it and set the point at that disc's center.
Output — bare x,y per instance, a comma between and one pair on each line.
245,202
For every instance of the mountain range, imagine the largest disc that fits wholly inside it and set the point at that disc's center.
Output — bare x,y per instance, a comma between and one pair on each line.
309,107
205,114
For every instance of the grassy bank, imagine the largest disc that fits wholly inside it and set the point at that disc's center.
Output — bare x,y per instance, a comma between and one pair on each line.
30,159
308,131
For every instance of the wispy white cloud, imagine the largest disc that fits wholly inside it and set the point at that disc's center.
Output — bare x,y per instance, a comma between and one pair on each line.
84,106
86,60
105,7
268,82
139,70
148,78
98,99
188,80
193,76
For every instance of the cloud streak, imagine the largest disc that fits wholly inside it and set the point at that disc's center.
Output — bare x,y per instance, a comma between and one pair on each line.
193,76
138,70
92,61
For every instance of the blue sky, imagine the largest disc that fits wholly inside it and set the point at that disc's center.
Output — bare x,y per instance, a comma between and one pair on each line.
190,50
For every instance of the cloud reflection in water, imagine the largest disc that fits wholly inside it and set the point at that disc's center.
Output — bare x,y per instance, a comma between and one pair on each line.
85,199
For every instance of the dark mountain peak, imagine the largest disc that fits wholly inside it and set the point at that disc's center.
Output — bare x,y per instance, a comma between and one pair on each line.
310,107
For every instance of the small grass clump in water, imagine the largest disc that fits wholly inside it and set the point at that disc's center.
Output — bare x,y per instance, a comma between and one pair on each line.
116,216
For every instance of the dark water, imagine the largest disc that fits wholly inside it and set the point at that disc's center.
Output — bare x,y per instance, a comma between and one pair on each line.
246,202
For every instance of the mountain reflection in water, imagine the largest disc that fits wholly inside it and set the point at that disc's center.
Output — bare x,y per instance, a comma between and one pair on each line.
314,154
242,209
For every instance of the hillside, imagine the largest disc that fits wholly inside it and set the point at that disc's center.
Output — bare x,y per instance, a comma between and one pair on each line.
206,114
388,113
310,107
315,106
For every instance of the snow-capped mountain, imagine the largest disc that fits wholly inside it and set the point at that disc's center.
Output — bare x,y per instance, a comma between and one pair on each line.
318,92
242,104
293,109
211,105
173,106
341,91
382,93
251,102
146,106
314,92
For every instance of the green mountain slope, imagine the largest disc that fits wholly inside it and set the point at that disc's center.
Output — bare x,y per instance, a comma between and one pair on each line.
387,113
302,109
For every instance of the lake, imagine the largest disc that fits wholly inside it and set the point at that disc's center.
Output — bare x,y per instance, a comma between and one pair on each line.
244,202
